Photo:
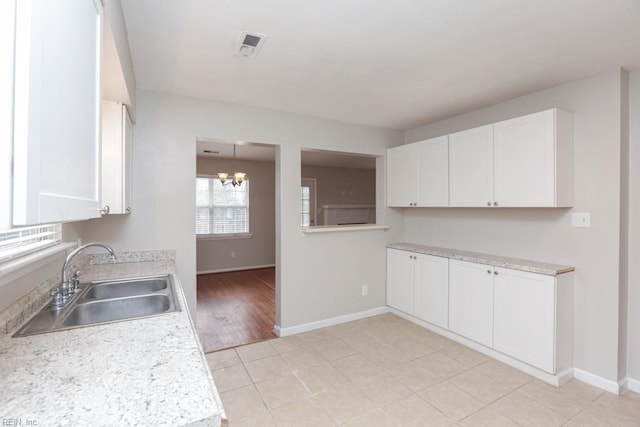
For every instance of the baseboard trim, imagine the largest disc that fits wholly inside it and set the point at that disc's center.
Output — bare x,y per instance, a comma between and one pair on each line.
555,380
633,385
226,270
598,381
306,327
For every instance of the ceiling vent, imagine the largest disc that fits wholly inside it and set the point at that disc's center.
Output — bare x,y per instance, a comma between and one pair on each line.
250,44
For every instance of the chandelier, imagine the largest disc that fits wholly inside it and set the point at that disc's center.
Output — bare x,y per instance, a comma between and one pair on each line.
238,177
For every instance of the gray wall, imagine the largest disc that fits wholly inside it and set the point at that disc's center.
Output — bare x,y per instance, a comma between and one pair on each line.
260,248
546,234
341,186
164,163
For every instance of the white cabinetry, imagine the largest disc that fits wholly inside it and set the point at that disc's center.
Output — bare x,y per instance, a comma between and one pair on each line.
522,162
117,137
532,160
432,289
471,167
56,144
471,301
418,285
400,280
7,43
502,311
417,174
402,175
527,324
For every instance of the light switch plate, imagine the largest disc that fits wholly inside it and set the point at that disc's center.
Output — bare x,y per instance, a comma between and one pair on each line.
581,219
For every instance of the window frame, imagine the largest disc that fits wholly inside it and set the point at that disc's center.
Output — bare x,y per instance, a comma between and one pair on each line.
224,236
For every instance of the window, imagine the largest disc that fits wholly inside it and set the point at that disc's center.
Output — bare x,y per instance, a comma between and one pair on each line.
18,242
305,196
221,209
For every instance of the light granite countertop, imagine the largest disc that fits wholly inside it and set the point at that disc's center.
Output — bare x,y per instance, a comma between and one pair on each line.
494,260
149,371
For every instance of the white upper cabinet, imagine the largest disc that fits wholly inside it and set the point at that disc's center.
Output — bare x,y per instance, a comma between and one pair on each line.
532,160
7,43
417,174
433,165
402,175
471,167
56,144
522,162
117,139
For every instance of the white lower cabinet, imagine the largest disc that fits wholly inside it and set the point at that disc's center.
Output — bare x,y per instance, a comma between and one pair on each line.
400,280
418,285
432,289
471,301
526,316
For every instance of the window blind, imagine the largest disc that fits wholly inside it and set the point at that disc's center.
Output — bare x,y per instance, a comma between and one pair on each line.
19,242
221,209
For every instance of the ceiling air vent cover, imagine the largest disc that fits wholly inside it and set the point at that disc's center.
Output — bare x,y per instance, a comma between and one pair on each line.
250,44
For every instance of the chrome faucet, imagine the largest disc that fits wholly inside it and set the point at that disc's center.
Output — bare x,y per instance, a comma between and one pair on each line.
67,288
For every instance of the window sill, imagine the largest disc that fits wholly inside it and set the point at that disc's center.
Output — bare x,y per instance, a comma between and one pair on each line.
223,236
343,228
13,269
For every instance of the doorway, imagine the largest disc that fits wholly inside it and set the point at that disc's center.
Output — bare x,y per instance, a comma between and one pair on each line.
235,243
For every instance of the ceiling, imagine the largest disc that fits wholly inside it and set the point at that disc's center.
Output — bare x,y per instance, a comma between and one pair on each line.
394,64
267,153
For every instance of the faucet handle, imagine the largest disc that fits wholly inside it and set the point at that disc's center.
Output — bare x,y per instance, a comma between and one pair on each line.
75,282
58,299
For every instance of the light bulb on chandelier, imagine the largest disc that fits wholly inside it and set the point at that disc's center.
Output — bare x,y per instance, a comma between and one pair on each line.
238,177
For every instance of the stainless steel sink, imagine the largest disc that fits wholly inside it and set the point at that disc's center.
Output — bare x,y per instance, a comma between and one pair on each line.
109,310
126,289
106,302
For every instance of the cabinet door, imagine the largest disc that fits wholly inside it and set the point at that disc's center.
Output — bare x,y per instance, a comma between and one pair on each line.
7,43
471,167
524,317
127,160
400,280
432,289
471,301
116,158
524,160
57,111
433,172
402,175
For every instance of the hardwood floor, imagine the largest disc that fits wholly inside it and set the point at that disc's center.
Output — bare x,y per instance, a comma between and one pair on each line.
235,308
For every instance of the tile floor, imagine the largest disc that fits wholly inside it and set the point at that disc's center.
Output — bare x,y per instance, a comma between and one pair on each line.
385,371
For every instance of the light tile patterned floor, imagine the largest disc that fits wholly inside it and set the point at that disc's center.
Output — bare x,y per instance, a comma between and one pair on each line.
385,371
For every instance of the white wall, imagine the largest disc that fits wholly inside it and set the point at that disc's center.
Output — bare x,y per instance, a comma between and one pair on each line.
260,248
546,234
164,163
633,315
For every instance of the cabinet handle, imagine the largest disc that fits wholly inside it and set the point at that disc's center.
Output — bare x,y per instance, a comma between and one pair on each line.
128,209
488,203
495,203
105,210
488,271
495,272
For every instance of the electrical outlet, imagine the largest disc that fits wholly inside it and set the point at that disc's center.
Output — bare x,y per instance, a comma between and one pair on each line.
365,290
581,219
233,254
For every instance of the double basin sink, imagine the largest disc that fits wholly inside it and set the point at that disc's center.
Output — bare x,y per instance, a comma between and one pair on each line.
106,302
